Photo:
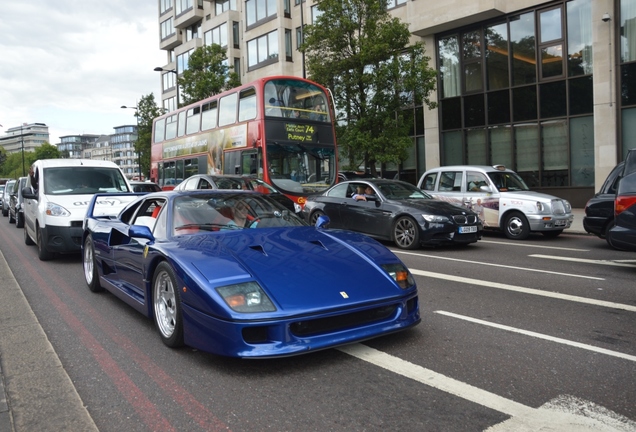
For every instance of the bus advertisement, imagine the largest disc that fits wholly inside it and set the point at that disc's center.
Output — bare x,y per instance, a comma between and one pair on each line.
279,129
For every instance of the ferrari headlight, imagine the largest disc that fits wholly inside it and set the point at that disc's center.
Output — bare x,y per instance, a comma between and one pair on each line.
246,297
435,218
400,275
53,209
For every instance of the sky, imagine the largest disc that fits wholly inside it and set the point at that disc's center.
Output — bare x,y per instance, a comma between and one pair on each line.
72,64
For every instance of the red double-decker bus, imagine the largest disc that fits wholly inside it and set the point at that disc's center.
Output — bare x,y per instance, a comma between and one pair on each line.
279,129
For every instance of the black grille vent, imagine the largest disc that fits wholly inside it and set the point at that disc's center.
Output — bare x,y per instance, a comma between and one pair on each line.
338,322
465,219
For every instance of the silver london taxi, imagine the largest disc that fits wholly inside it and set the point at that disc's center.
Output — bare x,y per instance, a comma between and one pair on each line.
501,198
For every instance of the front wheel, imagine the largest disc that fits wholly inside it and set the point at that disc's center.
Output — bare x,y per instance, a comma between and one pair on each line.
19,220
11,218
43,253
314,216
406,234
90,266
516,226
27,238
167,306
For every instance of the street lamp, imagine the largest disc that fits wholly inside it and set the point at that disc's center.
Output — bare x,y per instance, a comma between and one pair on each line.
174,71
22,141
138,144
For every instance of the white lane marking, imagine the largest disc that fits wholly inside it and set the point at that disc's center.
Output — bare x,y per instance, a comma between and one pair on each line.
531,291
564,413
541,336
517,243
498,265
582,260
436,380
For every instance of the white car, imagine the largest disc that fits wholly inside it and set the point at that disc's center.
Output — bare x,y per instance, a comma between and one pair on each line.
501,198
56,197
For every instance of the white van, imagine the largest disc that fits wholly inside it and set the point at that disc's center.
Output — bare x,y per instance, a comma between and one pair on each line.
56,197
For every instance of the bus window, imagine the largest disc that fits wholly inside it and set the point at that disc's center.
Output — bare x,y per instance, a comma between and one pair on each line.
227,110
192,122
208,116
181,124
160,130
171,127
191,167
247,104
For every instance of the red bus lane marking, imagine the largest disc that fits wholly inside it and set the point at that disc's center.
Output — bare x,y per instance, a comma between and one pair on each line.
136,398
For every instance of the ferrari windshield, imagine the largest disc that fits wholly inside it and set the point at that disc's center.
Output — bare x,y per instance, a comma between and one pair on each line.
507,181
229,211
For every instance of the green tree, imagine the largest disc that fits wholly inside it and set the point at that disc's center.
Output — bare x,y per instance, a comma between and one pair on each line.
147,111
15,166
46,151
207,74
366,58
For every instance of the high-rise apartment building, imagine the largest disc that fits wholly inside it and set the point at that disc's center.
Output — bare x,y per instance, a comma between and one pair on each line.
547,88
26,137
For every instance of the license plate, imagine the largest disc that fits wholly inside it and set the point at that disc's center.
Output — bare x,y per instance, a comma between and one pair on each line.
559,223
467,229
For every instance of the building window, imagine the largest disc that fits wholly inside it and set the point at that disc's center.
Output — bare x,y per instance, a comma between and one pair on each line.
217,35
182,6
182,61
288,44
259,10
236,37
262,50
221,6
164,6
167,28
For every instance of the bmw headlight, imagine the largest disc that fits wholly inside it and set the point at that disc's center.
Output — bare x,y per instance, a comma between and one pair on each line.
246,297
435,218
53,209
400,275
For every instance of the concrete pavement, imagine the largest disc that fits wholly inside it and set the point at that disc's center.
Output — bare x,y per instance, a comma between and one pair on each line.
36,393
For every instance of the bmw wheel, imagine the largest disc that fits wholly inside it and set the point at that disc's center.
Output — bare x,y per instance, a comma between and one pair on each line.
406,233
314,216
90,266
167,306
516,226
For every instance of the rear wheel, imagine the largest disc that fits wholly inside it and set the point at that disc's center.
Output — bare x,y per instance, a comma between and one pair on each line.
90,266
516,226
43,253
314,216
167,306
406,234
11,218
27,239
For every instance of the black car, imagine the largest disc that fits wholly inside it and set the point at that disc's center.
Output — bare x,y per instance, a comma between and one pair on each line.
396,211
16,203
144,186
599,210
623,234
238,182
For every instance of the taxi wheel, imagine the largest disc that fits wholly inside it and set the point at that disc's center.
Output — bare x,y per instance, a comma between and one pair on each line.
406,234
166,300
516,226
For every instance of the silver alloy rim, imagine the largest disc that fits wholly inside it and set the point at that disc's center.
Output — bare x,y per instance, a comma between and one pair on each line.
165,304
404,233
88,263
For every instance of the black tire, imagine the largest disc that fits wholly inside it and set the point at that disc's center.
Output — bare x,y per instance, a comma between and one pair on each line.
551,234
607,228
406,233
516,226
314,216
5,213
27,239
89,263
11,218
19,220
166,306
43,253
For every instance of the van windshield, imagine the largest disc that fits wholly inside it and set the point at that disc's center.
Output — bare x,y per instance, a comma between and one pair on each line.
83,180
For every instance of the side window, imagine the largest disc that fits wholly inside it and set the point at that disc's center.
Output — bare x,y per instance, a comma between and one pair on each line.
429,182
339,191
474,181
450,181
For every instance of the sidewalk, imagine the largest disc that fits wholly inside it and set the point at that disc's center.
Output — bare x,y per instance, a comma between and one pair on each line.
36,394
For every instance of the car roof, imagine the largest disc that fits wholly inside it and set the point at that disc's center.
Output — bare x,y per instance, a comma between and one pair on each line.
76,162
486,168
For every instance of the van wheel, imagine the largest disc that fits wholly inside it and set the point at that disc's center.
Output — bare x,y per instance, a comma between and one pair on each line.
27,239
11,218
43,253
19,221
516,226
